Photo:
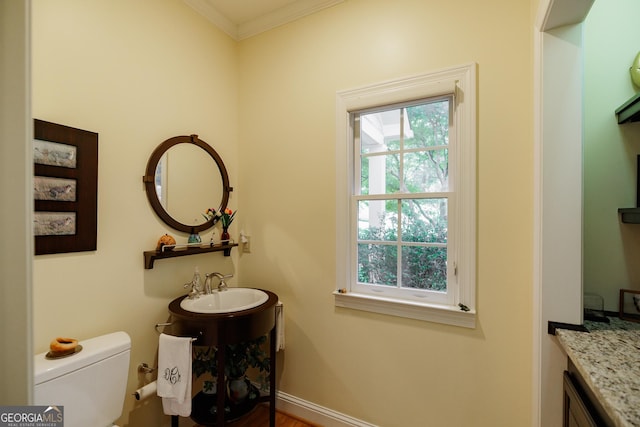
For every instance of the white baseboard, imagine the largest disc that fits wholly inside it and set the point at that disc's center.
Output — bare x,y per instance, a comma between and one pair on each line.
304,410
315,413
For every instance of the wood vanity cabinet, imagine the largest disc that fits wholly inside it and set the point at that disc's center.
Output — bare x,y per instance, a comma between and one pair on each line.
581,409
576,413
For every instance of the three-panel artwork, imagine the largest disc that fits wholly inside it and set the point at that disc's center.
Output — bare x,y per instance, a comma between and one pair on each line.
65,188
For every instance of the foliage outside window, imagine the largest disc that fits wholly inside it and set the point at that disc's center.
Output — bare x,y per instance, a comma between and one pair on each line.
402,155
406,183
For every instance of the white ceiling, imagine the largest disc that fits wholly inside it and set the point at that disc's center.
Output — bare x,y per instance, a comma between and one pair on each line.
242,19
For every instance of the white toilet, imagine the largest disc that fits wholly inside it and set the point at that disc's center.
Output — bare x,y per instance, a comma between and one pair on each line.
90,385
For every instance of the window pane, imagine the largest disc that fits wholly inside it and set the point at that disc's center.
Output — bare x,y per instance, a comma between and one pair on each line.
377,264
426,171
380,131
429,124
424,268
403,151
424,220
379,174
377,220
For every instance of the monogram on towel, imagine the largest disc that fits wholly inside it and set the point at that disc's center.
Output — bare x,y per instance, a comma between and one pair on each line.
174,370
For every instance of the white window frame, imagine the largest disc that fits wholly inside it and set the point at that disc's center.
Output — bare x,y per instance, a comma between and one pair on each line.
461,83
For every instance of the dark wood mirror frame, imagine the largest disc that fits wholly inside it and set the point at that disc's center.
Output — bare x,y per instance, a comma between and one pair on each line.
149,182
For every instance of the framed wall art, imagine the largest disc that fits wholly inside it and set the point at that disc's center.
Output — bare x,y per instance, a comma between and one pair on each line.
629,305
65,188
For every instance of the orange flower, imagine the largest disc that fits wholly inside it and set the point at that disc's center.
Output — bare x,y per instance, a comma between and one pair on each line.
227,218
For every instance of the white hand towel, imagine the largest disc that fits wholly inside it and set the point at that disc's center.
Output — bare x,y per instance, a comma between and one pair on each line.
279,326
174,374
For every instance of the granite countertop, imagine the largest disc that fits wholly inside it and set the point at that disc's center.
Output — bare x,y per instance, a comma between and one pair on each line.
608,358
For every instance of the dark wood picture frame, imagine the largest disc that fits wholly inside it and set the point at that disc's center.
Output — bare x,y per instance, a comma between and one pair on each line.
629,298
79,232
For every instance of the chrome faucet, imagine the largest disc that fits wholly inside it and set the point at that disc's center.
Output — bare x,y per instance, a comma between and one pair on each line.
195,288
222,286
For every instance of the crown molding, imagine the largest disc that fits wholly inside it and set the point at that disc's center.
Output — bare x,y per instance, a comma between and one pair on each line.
204,8
284,15
278,17
558,13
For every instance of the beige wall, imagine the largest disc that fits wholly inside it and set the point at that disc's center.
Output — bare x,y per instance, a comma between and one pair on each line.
137,73
140,72
385,370
610,248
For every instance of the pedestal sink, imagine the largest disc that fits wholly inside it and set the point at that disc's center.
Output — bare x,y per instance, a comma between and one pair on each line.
227,317
234,315
227,301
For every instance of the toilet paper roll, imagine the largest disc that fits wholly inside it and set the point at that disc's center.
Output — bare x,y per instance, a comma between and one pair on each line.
146,391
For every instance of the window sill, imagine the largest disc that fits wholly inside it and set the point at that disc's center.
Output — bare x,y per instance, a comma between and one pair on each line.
449,315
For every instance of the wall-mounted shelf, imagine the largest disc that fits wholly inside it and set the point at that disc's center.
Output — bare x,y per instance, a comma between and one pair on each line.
630,110
151,256
630,215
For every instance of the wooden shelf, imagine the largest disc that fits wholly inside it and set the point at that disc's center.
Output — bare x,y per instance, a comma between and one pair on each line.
151,256
630,110
630,215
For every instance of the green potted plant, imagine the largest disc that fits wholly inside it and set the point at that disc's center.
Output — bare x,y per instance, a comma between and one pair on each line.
238,359
205,361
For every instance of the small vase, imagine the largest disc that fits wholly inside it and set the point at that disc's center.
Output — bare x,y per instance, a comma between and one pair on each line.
224,237
194,237
238,389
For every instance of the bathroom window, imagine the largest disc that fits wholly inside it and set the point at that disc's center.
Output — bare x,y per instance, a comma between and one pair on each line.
406,197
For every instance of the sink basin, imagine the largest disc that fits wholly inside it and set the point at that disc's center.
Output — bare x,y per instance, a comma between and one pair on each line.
228,301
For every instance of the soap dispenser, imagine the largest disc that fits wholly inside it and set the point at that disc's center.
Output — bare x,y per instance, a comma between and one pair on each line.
197,280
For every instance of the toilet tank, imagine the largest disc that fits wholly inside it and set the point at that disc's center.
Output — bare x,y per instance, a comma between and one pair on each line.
90,385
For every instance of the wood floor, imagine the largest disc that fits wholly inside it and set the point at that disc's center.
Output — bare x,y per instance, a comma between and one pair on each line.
259,417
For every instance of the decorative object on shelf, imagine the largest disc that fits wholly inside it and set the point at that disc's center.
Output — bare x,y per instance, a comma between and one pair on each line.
226,219
215,237
166,240
635,71
194,237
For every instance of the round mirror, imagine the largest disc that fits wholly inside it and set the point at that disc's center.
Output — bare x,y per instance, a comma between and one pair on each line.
184,178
